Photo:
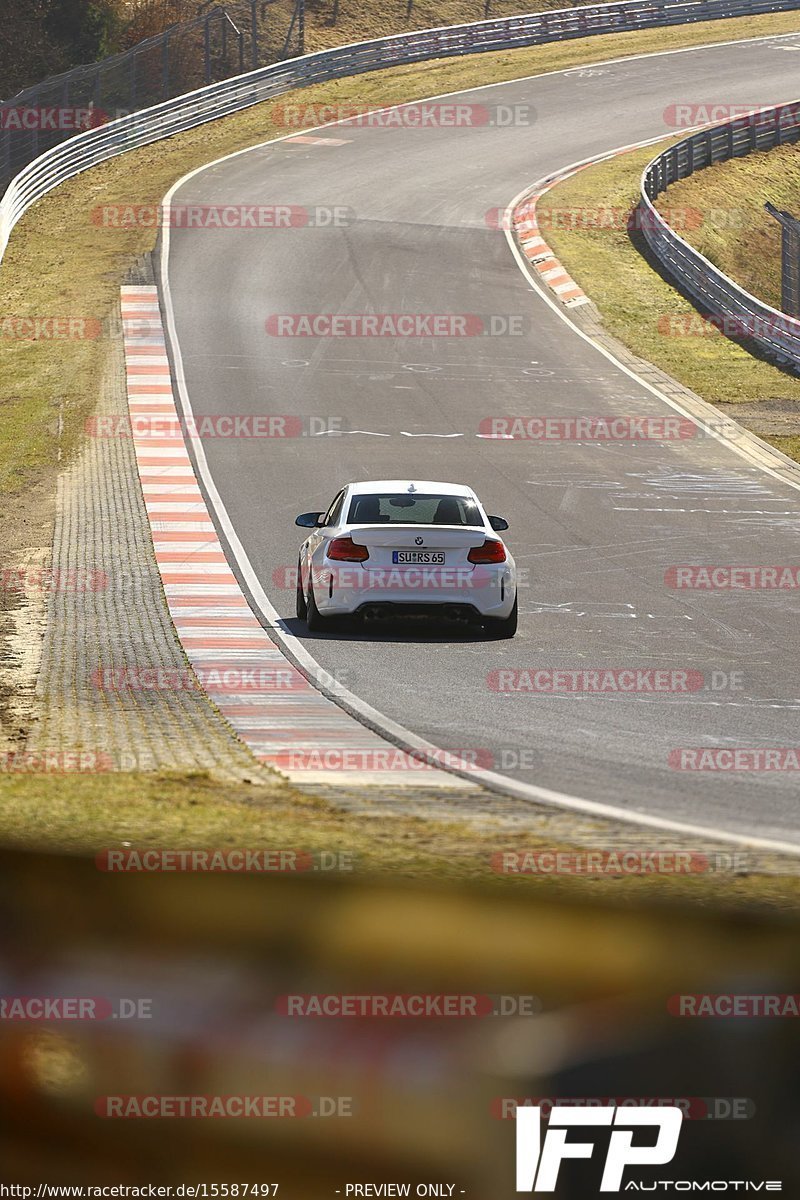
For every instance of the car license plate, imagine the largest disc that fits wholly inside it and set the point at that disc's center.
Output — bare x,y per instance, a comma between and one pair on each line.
428,557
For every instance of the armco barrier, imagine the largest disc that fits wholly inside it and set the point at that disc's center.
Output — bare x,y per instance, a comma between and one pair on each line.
85,150
737,312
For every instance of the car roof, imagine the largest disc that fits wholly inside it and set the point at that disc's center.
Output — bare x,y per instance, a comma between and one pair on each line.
371,486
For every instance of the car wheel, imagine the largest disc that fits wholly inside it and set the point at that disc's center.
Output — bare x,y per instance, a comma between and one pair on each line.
300,606
314,618
504,627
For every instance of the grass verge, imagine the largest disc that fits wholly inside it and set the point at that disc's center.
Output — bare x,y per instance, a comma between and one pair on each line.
88,814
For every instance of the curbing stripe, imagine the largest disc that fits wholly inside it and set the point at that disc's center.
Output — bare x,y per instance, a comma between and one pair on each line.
549,268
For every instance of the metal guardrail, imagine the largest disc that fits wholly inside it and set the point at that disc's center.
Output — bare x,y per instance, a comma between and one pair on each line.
94,146
735,311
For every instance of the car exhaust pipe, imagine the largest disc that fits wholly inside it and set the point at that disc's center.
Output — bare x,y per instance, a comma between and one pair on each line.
374,612
455,615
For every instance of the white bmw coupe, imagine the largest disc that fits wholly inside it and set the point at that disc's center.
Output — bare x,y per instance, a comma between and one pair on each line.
394,547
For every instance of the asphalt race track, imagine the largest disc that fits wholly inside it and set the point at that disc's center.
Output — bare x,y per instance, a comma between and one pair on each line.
594,525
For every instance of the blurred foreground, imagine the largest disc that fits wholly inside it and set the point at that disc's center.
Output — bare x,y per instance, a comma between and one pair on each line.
211,986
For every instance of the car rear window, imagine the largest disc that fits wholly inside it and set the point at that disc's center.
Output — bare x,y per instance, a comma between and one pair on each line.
405,508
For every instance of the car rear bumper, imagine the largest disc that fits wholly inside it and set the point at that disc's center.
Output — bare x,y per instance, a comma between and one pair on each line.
487,602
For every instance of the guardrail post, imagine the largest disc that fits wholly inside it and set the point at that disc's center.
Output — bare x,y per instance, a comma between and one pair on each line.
254,32
5,157
790,259
165,67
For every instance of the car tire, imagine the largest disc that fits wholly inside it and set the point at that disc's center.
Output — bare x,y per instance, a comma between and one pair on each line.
504,627
300,606
314,618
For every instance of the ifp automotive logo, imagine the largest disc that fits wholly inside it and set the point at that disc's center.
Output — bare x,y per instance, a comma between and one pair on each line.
538,1160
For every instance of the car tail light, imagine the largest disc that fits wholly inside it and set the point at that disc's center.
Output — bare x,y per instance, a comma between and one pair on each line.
489,552
345,550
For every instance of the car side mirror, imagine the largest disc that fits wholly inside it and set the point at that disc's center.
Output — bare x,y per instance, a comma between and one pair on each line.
498,524
309,520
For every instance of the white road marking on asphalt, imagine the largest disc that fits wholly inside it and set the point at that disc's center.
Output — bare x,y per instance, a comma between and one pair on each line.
344,432
403,433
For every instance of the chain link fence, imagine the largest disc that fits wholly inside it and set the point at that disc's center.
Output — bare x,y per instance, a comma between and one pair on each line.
220,42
